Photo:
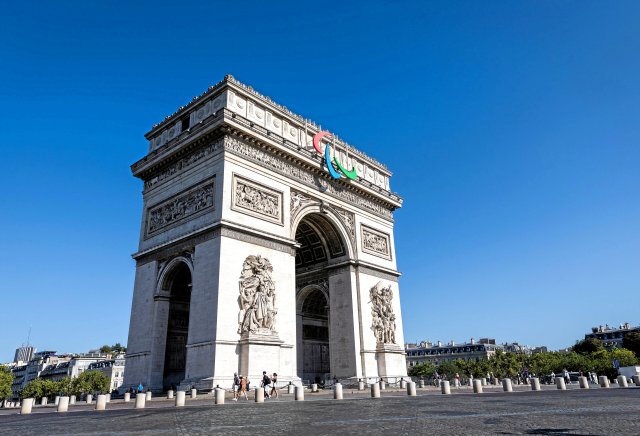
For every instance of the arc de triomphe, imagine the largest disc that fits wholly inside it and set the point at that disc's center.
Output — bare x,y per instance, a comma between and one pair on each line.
256,254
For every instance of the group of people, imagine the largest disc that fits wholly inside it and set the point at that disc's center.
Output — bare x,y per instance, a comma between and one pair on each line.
241,385
565,375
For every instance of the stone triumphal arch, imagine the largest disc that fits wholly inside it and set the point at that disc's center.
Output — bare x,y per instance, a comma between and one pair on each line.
265,244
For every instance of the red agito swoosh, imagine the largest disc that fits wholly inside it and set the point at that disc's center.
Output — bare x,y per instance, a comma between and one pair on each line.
317,138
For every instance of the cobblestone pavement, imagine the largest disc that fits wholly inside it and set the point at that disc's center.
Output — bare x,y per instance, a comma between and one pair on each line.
549,412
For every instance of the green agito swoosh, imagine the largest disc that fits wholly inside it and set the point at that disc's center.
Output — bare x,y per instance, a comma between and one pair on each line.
353,175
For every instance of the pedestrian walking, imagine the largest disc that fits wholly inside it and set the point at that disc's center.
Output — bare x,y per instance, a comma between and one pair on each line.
266,384
236,386
243,388
274,386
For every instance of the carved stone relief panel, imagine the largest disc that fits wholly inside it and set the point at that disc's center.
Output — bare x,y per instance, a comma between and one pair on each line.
375,242
184,163
349,221
257,298
289,169
255,199
298,201
188,204
384,320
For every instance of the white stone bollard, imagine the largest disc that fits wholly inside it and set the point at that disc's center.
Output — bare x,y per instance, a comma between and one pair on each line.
560,384
101,402
636,380
314,387
535,383
44,401
411,389
421,383
259,395
56,400
147,396
72,400
383,385
604,381
375,390
63,404
219,398
108,398
170,394
141,400
403,384
444,387
583,382
337,391
483,381
506,385
26,406
291,388
299,393
477,386
622,381
89,399
194,394
361,385
180,398
127,397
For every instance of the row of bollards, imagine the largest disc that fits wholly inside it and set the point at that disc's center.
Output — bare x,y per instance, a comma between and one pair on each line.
62,402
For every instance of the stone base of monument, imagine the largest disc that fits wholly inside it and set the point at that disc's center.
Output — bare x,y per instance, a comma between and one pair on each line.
256,350
391,361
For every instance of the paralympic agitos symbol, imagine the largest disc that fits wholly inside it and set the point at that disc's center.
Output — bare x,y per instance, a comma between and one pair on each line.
351,174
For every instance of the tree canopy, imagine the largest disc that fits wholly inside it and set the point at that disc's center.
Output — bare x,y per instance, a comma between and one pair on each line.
116,348
631,342
6,380
90,381
504,365
40,388
425,369
85,383
587,346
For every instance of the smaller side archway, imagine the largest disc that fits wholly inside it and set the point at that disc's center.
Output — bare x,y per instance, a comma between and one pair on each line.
313,333
175,284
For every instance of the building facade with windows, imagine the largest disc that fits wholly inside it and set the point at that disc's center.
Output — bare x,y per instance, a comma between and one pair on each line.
438,352
113,369
611,336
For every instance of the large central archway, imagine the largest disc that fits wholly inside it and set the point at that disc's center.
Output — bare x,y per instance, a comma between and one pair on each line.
178,284
322,249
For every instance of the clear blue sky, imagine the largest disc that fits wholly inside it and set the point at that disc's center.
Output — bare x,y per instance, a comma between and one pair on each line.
511,128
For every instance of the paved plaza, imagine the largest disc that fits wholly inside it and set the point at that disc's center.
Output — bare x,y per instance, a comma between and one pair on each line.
550,412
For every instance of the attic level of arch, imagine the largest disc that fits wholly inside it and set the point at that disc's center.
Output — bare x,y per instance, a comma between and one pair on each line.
208,131
213,99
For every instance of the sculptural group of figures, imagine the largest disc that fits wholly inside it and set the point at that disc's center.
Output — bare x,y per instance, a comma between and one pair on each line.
384,321
257,297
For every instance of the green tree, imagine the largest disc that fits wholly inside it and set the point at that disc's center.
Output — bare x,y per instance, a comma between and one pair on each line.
64,386
631,341
89,382
105,349
424,369
119,348
6,380
448,368
588,346
505,364
33,389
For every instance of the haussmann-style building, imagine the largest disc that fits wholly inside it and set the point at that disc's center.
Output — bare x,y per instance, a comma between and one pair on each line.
266,244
